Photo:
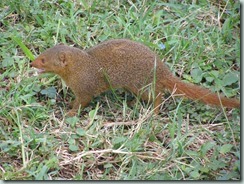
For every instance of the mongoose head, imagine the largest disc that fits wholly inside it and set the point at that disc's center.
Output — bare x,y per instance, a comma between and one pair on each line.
53,60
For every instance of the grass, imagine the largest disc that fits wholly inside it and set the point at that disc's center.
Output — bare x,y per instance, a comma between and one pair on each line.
198,40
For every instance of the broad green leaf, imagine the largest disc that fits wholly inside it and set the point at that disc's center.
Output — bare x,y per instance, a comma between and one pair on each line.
71,141
196,74
225,148
73,147
209,79
8,61
72,120
92,113
216,164
117,140
215,73
204,169
50,92
195,174
42,173
80,132
191,153
207,146
230,78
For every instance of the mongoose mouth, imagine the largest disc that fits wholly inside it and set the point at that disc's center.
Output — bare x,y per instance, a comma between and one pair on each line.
40,70
36,64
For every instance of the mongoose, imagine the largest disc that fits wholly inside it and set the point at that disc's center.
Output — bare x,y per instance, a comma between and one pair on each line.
119,63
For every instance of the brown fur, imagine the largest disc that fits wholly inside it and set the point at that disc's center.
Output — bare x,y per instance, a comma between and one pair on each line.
119,63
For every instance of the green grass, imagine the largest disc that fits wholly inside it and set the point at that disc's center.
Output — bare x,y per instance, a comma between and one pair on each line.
111,139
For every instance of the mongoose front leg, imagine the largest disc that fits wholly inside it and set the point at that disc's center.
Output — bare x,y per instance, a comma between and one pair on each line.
71,104
80,101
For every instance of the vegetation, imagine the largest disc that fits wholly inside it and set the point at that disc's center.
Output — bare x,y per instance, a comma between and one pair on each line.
200,42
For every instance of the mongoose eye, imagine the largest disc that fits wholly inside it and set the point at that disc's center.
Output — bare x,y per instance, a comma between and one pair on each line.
43,60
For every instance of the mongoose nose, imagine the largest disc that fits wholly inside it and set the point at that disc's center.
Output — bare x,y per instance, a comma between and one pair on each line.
32,64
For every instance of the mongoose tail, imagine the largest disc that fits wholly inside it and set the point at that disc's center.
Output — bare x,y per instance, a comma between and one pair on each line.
199,93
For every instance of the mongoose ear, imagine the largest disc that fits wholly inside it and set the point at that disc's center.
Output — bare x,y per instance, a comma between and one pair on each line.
63,58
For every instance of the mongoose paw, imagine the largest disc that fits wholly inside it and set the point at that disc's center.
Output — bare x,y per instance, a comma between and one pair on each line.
71,113
131,103
71,104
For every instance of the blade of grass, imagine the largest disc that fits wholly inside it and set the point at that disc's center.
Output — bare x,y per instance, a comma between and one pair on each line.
27,52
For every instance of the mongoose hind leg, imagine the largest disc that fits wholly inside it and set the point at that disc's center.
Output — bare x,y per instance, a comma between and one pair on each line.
147,97
157,103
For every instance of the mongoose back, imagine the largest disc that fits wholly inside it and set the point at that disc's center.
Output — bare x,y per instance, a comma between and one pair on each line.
119,63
